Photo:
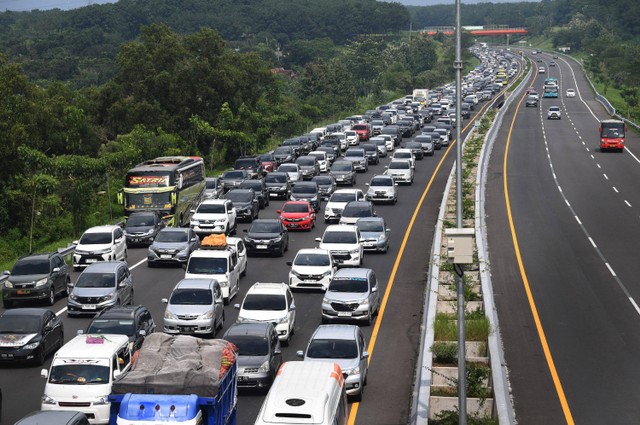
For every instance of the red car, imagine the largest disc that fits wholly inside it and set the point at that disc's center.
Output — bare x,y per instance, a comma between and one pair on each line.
268,162
298,215
363,130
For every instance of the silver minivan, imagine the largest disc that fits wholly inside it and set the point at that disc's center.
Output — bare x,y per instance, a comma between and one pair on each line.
352,295
99,286
195,307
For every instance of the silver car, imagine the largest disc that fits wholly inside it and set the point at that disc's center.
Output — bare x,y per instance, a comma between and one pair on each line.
382,188
99,286
195,307
375,233
352,295
346,346
172,245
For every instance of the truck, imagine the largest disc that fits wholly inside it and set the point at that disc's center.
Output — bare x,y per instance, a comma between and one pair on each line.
177,379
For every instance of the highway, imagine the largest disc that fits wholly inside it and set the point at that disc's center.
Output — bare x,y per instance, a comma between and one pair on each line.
563,224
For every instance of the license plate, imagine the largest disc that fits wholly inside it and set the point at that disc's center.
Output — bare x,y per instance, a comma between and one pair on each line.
188,328
24,291
90,260
165,256
344,314
293,225
89,307
6,356
261,246
243,378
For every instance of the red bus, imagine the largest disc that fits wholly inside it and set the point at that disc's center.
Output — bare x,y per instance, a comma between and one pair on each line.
612,134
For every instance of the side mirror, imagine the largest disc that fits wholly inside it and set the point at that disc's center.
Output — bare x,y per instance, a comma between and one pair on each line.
142,333
75,242
300,354
236,306
289,263
374,289
279,211
164,301
48,328
6,272
365,355
292,308
116,373
367,184
56,269
192,211
318,239
277,351
44,373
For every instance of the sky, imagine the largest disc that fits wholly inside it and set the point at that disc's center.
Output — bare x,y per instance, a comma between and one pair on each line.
27,5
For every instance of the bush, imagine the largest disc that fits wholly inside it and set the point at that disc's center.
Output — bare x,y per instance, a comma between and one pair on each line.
445,352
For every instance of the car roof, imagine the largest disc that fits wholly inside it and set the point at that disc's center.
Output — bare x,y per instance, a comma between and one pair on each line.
268,288
104,267
184,229
340,228
50,417
257,329
337,331
25,311
353,272
120,312
375,219
195,283
313,251
43,255
101,229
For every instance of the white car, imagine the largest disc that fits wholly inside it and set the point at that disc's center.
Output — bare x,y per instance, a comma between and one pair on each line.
382,188
293,170
323,162
352,137
405,154
541,70
214,216
571,93
554,113
312,268
388,141
270,302
345,244
337,202
401,170
100,243
342,137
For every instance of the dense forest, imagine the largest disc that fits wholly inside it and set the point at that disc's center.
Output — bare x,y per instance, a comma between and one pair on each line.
67,142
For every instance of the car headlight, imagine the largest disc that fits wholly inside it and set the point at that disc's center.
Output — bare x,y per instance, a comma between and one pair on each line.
101,401
327,273
354,251
243,319
326,300
169,315
381,238
107,297
8,284
42,282
283,319
314,199
295,273
102,251
221,221
195,223
48,400
354,371
278,239
73,296
223,283
148,232
264,367
207,315
31,346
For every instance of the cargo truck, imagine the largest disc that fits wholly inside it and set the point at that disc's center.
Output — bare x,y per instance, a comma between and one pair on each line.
178,379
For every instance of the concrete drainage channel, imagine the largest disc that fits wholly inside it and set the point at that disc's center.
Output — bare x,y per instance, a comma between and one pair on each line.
435,388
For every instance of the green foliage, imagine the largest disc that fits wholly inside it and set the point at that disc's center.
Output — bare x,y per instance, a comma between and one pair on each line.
445,328
445,352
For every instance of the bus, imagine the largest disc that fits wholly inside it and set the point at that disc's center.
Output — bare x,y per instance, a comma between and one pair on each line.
169,185
612,133
550,91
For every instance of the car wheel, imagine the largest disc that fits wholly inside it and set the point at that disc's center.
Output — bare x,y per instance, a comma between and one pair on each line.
41,356
52,296
369,319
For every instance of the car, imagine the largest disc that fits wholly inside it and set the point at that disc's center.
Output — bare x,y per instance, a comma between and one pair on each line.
251,164
375,233
312,268
343,172
134,321
344,242
260,188
388,142
552,63
532,100
358,157
309,166
195,307
554,113
382,188
381,145
259,353
36,277
173,245
322,160
333,143
307,191
363,130
245,202
405,154
534,93
270,302
337,202
326,185
416,149
293,170
267,236
214,216
297,145
330,152
541,70
298,215
278,184
54,417
99,286
377,125
371,152
214,188
401,170
355,210
142,227
345,345
445,136
29,335
284,154
352,137
268,162
232,179
570,93
352,295
426,143
100,243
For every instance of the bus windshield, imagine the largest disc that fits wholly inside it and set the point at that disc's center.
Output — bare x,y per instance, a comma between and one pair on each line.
146,201
612,130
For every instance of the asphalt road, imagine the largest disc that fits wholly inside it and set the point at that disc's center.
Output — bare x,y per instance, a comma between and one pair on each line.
565,274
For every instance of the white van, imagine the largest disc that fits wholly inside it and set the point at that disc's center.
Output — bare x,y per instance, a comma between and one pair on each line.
82,372
306,392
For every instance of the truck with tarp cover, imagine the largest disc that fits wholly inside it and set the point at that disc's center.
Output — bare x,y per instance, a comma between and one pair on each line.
177,379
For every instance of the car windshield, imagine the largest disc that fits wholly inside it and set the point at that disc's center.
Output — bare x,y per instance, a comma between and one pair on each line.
381,181
341,167
353,153
282,150
28,266
211,184
230,175
96,280
307,189
236,196
250,346
79,374
186,296
312,260
136,220
332,349
357,210
319,156
265,227
245,163
96,238
399,165
275,178
171,236
19,324
210,209
348,285
264,302
306,161
112,326
266,158
340,237
288,168
323,180
370,226
204,265
295,208
342,197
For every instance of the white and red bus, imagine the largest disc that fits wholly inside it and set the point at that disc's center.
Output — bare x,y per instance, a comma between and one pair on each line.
612,134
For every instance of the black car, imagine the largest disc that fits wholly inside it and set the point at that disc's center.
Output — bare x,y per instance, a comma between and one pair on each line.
372,153
326,185
135,321
437,139
406,127
278,184
54,417
268,236
330,151
333,143
298,146
29,334
36,277
232,178
343,172
259,186
245,202
142,227
395,132
307,191
251,164
284,154
465,110
416,149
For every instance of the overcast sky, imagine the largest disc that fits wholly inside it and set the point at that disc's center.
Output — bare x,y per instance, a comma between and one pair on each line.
26,5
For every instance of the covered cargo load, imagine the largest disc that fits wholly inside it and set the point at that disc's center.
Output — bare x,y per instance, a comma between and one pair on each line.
182,364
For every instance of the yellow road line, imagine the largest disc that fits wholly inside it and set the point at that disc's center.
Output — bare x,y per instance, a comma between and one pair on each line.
525,281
